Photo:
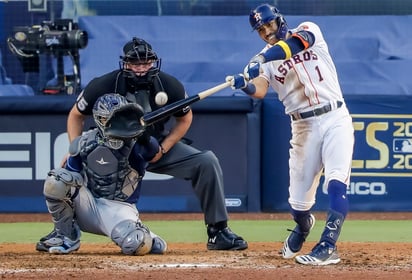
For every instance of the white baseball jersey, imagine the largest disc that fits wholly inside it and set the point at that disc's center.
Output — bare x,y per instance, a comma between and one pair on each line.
322,141
308,78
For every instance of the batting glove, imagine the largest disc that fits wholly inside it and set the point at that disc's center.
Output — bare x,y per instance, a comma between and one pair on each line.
253,69
237,81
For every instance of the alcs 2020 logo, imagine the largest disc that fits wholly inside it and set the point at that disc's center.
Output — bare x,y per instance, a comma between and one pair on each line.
383,145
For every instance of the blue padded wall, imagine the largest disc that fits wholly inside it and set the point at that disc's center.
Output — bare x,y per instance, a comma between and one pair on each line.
369,60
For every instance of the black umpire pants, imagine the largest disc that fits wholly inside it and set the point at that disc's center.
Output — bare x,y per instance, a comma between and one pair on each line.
203,169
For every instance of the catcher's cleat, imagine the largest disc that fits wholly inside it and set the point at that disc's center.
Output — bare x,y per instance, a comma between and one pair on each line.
294,242
55,243
224,239
322,254
41,246
159,246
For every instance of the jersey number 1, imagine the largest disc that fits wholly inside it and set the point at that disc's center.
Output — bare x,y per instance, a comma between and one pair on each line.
319,74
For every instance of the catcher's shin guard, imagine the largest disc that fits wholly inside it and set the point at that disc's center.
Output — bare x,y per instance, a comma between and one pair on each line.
58,188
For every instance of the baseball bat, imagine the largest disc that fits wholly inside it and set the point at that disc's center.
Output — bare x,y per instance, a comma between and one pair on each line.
172,108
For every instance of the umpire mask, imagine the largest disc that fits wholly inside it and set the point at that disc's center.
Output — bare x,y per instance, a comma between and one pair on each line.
140,64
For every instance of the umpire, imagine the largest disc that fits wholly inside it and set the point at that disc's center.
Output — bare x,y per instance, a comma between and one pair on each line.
139,79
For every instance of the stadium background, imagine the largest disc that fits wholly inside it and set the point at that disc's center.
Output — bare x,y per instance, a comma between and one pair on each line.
201,42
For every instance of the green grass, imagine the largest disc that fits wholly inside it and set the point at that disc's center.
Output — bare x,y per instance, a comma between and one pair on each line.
251,230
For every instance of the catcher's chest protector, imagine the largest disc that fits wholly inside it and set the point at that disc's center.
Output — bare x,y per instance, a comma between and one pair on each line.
108,171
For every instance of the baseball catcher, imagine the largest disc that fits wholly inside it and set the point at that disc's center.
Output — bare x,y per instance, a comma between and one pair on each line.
97,190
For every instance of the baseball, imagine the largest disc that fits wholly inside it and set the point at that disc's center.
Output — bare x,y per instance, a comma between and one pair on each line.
161,98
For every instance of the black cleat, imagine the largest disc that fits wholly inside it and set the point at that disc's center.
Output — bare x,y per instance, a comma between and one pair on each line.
224,239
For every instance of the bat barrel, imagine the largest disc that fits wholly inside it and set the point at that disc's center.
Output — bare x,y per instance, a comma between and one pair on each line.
174,107
167,110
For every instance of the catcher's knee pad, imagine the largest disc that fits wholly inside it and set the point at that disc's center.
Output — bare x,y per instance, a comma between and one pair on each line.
59,182
132,238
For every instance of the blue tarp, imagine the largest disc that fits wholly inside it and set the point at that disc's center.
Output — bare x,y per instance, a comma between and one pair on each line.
204,49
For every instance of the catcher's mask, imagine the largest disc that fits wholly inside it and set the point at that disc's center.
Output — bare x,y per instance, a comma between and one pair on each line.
264,14
139,52
117,119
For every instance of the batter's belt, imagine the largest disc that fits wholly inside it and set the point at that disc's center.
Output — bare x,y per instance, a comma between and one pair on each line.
316,112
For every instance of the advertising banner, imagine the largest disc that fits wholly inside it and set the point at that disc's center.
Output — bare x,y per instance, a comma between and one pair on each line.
382,165
33,140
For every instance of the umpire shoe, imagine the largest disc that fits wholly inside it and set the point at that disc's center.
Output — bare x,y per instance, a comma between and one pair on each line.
322,254
55,243
224,239
294,242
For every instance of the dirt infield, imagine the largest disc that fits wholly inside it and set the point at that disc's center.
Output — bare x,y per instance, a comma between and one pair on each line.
192,261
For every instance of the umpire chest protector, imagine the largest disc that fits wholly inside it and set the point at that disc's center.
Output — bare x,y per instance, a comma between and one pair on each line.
108,171
141,97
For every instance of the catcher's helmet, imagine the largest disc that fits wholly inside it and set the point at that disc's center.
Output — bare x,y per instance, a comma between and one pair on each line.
117,119
265,13
139,51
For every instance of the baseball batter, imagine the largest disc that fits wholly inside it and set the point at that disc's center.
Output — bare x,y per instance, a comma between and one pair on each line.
296,63
98,188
